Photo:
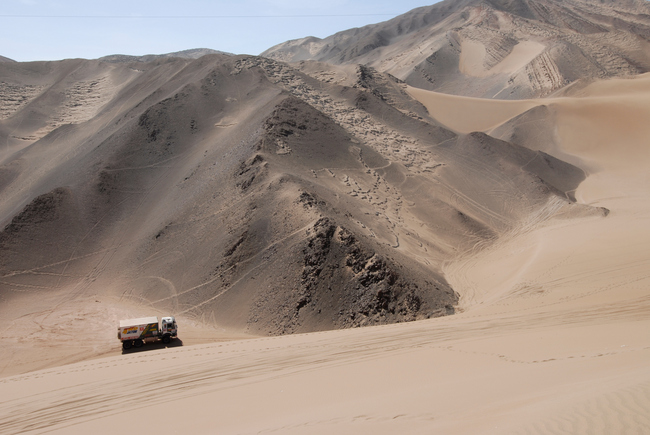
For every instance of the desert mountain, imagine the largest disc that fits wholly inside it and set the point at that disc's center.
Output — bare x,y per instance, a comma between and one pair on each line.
249,193
193,53
505,49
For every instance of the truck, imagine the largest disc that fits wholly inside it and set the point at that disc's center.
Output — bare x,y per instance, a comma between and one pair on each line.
136,332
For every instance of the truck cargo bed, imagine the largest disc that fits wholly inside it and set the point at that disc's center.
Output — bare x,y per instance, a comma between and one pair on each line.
136,322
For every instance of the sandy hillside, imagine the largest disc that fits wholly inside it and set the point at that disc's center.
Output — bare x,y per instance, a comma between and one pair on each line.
244,195
494,48
551,335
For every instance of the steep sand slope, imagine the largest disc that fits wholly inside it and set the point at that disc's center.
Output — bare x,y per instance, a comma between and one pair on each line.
553,337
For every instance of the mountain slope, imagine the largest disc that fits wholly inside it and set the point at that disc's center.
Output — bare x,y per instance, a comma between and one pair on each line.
494,48
247,193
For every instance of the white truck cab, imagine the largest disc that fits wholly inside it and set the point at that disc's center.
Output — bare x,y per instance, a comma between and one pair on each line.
168,325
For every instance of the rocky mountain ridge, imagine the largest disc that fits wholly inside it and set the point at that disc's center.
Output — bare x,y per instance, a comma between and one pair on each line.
193,53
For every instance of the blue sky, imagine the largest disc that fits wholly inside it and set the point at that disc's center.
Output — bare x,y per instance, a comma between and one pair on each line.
61,29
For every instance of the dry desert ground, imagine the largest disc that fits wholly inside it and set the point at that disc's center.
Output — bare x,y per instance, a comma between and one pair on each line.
551,334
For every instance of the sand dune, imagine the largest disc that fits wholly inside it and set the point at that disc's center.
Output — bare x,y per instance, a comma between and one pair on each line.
551,336
451,110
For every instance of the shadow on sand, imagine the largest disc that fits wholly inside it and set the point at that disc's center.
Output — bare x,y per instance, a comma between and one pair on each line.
177,342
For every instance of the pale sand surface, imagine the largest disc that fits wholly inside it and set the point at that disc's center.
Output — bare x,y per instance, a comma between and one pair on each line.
467,114
51,330
553,334
472,58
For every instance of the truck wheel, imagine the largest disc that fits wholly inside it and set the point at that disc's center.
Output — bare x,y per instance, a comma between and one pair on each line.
126,344
167,339
138,343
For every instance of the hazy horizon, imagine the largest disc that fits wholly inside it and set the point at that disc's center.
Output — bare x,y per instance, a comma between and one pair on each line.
35,30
